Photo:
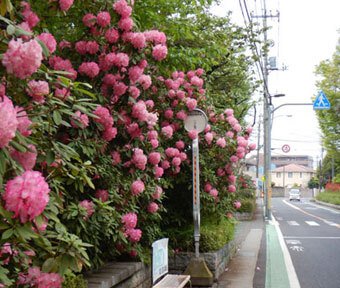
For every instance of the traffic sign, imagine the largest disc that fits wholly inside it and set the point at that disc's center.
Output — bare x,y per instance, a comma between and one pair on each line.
285,148
321,102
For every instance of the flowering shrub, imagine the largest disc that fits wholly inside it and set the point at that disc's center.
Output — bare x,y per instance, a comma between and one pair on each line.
92,137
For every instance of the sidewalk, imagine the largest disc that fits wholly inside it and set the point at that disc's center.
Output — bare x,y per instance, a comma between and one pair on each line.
241,269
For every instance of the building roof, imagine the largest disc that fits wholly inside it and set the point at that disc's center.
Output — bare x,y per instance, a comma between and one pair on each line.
293,168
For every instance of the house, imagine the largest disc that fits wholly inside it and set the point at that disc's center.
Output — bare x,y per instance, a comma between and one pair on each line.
292,174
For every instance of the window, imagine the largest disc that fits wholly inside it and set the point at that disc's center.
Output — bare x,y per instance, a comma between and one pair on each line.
278,174
300,174
290,174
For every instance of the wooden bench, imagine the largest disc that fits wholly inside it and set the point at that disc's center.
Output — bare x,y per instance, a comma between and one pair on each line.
160,268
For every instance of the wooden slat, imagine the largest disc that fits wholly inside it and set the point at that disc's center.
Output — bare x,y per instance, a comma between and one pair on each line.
172,281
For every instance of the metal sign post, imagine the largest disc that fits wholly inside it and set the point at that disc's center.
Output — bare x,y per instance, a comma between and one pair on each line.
196,120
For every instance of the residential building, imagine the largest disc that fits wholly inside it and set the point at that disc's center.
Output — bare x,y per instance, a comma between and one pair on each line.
291,175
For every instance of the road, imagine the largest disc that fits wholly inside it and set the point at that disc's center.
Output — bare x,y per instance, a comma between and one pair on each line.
312,235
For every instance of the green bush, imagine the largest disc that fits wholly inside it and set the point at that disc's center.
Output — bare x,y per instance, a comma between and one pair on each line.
74,281
332,197
214,235
248,206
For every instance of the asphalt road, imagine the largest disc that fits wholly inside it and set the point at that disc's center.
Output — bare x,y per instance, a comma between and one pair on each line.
312,235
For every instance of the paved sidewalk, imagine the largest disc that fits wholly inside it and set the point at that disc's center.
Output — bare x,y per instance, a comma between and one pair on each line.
241,269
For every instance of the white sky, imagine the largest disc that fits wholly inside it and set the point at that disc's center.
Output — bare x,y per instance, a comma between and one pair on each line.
306,35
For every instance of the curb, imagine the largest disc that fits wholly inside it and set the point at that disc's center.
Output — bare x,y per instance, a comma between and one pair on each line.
326,204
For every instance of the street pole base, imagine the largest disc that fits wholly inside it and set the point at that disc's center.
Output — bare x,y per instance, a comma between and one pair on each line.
200,275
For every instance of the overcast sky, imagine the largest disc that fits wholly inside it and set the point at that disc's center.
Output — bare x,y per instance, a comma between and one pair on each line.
306,34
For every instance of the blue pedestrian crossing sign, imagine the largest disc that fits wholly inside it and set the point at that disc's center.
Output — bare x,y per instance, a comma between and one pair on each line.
321,102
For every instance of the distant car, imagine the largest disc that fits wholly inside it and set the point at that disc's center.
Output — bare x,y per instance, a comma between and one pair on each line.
294,194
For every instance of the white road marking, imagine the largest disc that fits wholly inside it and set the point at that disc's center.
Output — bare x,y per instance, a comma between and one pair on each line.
312,223
331,223
311,208
293,242
293,279
325,208
293,223
279,218
297,248
312,237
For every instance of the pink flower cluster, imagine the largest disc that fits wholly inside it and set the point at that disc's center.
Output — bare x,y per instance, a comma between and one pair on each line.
37,90
22,59
88,205
139,159
29,16
130,221
8,121
25,159
152,207
27,195
65,4
49,41
103,195
137,187
35,278
23,121
83,119
106,120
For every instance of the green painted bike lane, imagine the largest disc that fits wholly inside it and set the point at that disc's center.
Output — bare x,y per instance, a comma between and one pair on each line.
276,271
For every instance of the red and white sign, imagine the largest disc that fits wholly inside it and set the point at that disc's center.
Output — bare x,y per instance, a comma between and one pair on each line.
285,148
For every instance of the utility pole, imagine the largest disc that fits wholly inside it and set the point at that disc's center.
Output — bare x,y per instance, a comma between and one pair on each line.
266,120
258,150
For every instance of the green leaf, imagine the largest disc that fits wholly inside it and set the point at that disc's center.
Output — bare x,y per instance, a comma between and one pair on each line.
26,232
4,226
50,157
89,182
57,117
18,146
3,277
86,92
8,233
49,266
46,52
10,30
2,162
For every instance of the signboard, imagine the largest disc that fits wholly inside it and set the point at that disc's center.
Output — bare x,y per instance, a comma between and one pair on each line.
196,119
285,148
159,258
321,102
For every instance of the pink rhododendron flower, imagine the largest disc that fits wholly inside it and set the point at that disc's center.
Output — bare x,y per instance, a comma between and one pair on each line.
196,81
91,69
154,158
65,4
229,112
29,16
167,131
229,134
145,81
237,127
221,142
22,59
193,134
207,187
249,130
88,205
122,8
6,249
165,164
231,188
207,128
159,52
171,152
137,187
27,195
111,35
104,115
134,235
180,145
152,135
176,161
237,205
109,133
252,146
41,280
139,111
103,195
152,207
154,143
158,172
49,40
155,36
233,159
181,115
138,40
157,193
116,158
129,220
168,114
220,172
25,159
125,24
135,72
8,121
232,179
89,20
103,19
191,103
23,121
139,159
37,90
213,193
64,44
92,47
134,130
81,47
208,137
82,118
